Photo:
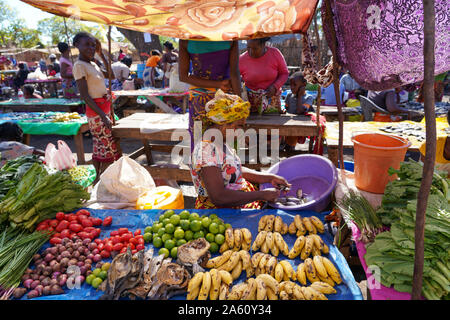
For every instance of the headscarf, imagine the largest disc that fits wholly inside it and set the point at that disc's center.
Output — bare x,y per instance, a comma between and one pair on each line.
226,108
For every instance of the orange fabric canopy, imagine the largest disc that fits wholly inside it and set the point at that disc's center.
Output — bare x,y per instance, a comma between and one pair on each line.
214,20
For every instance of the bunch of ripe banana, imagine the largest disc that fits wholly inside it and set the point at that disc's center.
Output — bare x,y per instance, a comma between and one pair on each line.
301,225
264,263
272,223
292,291
305,246
234,262
262,287
318,269
236,239
270,241
214,283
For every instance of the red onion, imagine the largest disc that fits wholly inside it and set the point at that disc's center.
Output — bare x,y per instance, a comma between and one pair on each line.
56,274
32,294
66,254
80,263
27,283
56,267
73,262
86,241
39,289
76,254
64,262
49,257
95,251
53,251
36,257
83,270
47,290
55,289
35,276
34,284
26,276
61,249
92,246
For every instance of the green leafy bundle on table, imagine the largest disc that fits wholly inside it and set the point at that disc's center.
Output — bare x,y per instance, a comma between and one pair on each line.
39,195
393,251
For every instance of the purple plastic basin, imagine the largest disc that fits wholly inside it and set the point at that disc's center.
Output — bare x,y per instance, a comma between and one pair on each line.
314,174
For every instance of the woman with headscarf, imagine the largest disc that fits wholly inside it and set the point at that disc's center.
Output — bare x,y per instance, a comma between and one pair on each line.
264,71
69,85
169,57
219,178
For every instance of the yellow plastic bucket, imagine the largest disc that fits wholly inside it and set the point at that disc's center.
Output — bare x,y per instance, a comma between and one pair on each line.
163,197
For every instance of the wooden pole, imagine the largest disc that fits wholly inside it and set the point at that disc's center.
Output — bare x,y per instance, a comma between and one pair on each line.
110,75
430,154
333,45
319,88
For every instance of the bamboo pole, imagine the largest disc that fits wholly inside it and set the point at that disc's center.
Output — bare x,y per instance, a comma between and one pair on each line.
319,88
430,154
333,45
110,75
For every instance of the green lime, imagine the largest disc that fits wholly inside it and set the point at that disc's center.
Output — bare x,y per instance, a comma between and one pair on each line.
206,222
175,220
156,227
96,282
180,242
178,234
103,274
196,225
166,221
227,225
219,239
221,228
170,228
89,278
147,237
188,235
184,214
169,244
214,247
96,271
199,234
148,229
214,228
194,216
157,242
213,216
161,218
185,224
169,213
165,237
161,231
164,251
174,252
210,237
105,266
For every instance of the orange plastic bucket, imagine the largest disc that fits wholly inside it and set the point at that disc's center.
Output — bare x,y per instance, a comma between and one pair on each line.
374,154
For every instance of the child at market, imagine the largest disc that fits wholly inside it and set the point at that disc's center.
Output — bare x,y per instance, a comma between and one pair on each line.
28,92
442,161
91,85
11,147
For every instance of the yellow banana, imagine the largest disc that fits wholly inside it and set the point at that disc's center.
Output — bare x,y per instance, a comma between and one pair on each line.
303,255
250,290
237,270
287,286
316,294
215,284
284,295
246,259
308,225
224,247
270,282
236,291
261,292
310,271
229,238
308,245
306,293
247,237
231,263
301,274
325,248
274,250
292,229
315,251
259,240
270,294
287,267
270,265
279,272
262,223
263,261
298,294
206,286
195,282
327,280
269,223
219,260
223,291
225,277
285,276
280,243
256,258
318,242
323,287
298,246
299,224
278,224
192,295
320,268
265,247
269,239
237,239
331,270
314,229
284,228
318,224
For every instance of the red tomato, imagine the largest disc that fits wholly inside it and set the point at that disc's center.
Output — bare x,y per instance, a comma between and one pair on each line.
107,221
86,223
137,232
50,229
98,241
55,241
83,235
140,247
71,217
114,233
92,234
108,247
96,221
57,235
132,246
60,216
118,247
41,227
133,251
123,230
75,227
81,217
105,254
125,238
64,224
134,241
53,223
65,233
140,241
100,246
98,230
124,249
89,229
83,212
115,239
139,236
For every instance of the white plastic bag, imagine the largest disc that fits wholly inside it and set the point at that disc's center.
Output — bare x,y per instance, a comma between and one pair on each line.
60,158
175,85
123,182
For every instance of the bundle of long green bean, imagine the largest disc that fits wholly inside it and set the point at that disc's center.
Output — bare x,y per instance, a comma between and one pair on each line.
16,253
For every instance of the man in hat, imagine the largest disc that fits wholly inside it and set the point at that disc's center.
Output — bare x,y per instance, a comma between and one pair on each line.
55,63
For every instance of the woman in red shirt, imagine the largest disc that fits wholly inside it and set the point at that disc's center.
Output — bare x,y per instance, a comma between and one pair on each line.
264,71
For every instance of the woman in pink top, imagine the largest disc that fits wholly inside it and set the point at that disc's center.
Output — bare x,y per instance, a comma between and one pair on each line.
264,71
68,83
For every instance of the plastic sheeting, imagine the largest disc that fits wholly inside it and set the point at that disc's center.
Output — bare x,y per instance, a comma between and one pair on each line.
139,219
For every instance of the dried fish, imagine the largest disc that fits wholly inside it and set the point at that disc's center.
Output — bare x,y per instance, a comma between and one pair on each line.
194,255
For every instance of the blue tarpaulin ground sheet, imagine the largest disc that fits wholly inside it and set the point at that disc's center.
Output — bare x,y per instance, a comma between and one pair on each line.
139,219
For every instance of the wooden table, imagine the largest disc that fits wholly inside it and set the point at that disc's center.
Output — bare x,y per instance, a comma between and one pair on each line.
41,84
153,94
41,105
130,127
331,113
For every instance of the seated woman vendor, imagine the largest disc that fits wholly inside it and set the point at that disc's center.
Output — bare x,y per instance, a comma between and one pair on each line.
219,178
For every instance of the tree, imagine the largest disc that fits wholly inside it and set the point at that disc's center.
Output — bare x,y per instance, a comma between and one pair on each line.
55,29
21,36
138,41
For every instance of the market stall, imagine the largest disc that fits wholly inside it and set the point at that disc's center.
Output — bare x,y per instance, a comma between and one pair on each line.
43,82
41,105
